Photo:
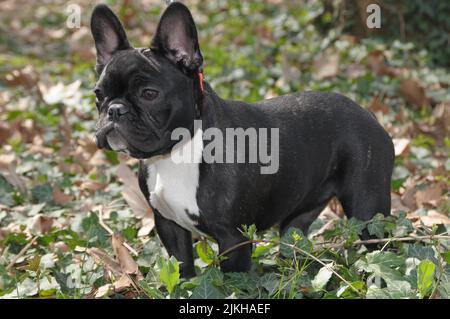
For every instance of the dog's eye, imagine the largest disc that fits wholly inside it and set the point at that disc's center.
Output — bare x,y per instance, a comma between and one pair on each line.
99,97
149,94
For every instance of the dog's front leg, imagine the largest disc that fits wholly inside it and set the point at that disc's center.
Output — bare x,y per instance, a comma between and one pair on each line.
178,242
237,256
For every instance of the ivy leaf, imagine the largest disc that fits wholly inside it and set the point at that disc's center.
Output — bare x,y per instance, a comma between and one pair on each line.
421,252
205,252
205,290
169,272
382,264
397,290
270,282
295,237
376,226
42,193
403,226
322,278
446,257
425,277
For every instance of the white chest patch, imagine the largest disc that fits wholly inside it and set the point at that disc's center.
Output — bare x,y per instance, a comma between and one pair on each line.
173,184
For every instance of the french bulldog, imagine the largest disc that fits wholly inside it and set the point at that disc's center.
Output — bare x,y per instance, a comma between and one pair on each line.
327,145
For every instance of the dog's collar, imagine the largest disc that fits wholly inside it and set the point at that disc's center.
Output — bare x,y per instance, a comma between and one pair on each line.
200,78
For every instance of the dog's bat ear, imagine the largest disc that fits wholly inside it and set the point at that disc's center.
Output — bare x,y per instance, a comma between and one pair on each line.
176,38
109,35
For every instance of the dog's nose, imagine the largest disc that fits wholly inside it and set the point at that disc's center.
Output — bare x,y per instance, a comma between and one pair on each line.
115,111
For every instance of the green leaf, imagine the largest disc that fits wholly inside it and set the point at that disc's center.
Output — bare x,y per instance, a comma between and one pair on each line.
403,226
382,264
446,257
249,231
205,252
425,277
169,272
261,250
376,226
205,290
295,237
399,289
322,278
421,252
42,193
270,282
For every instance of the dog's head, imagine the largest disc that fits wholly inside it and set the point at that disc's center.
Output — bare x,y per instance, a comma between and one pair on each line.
142,95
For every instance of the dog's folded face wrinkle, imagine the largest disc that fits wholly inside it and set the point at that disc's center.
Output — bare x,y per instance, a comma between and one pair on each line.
101,134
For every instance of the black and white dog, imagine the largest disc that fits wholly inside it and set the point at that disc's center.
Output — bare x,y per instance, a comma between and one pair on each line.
326,145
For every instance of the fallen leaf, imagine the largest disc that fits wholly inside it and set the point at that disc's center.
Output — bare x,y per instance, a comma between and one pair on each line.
408,197
59,197
376,105
401,146
40,224
147,225
127,263
102,258
92,186
8,170
413,93
61,246
327,65
430,196
26,77
376,61
354,71
132,193
397,203
104,291
434,218
119,285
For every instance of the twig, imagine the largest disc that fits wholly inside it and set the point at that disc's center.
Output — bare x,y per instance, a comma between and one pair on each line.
384,240
111,232
21,253
295,248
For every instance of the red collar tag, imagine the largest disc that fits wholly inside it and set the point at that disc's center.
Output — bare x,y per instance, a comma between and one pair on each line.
200,77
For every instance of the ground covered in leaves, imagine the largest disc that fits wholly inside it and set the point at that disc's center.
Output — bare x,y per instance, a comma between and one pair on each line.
73,223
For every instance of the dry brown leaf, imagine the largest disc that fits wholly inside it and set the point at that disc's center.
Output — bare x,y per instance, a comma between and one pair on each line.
413,93
40,224
376,105
102,258
92,186
408,197
397,204
430,196
327,65
59,197
5,132
26,77
126,262
119,285
434,218
376,61
401,146
8,170
354,70
147,225
132,193
61,246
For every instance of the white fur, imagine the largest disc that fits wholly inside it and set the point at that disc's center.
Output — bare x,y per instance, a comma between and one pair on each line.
173,186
